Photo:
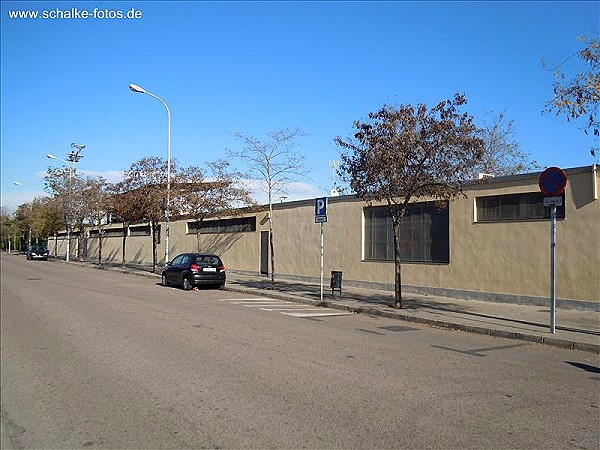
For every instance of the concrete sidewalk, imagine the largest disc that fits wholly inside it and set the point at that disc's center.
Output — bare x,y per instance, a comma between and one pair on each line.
577,330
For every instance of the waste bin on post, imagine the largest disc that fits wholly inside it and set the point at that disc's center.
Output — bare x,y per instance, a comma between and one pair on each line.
336,282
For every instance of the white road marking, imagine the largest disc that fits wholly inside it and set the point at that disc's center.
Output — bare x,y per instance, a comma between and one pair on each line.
285,307
261,305
317,314
298,308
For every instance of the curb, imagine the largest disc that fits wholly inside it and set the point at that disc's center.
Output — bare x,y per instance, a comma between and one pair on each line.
441,324
525,337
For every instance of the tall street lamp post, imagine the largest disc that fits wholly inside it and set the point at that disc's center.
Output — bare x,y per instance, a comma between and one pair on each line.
72,158
139,90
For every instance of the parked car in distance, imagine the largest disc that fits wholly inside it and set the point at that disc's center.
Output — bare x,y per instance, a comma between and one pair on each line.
190,270
37,252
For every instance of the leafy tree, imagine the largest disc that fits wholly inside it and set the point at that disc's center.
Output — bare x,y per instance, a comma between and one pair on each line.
46,217
580,96
502,153
77,197
123,207
275,163
142,195
22,221
9,230
406,152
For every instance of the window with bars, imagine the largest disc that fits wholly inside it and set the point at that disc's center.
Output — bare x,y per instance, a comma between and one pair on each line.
235,225
424,234
514,207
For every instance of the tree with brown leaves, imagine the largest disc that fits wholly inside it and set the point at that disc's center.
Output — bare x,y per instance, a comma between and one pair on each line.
580,96
407,152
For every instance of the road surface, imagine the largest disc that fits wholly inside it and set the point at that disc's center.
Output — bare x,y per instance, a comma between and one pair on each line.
99,359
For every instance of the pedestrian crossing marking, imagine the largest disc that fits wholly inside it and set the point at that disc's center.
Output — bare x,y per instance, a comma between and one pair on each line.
261,305
285,307
300,314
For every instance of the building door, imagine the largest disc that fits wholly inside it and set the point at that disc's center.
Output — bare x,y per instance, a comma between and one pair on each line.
264,252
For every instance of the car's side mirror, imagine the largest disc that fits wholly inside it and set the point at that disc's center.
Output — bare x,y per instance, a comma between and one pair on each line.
168,264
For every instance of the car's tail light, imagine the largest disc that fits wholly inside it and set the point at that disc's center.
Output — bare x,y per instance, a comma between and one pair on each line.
194,268
223,268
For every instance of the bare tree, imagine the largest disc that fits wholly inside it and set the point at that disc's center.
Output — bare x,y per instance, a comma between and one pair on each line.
199,196
275,163
406,152
96,200
502,154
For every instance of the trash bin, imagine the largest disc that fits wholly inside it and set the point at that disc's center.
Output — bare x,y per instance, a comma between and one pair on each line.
336,282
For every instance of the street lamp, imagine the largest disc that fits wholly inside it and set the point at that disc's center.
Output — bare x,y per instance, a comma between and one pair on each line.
73,157
140,90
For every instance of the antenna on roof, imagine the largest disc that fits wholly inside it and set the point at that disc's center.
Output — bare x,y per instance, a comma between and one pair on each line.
333,165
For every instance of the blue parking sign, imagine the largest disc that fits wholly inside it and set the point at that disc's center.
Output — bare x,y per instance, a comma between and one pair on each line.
321,210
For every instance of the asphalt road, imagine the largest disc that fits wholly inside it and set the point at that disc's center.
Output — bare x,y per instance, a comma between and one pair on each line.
100,359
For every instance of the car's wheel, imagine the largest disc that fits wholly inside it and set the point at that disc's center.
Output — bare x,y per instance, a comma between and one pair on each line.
164,281
221,286
187,285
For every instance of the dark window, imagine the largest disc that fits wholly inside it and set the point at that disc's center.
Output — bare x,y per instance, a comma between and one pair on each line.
528,206
424,234
112,232
143,230
236,225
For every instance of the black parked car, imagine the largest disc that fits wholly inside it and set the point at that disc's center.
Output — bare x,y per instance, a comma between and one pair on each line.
37,252
189,270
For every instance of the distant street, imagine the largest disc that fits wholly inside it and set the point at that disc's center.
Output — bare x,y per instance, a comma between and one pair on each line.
99,359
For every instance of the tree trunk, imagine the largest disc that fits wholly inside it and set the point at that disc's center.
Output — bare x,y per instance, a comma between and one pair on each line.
80,241
125,229
271,246
397,265
100,235
154,225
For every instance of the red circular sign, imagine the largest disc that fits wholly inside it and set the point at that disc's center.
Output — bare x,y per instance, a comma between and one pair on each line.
553,181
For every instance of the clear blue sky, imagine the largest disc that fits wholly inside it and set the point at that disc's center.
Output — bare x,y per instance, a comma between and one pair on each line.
257,66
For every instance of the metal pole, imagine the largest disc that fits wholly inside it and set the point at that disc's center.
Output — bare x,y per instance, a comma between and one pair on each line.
168,211
71,169
553,269
321,261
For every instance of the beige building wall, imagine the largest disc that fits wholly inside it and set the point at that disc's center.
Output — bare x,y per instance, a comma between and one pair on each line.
502,261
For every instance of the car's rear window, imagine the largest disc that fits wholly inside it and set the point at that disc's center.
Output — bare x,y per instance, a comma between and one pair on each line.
208,260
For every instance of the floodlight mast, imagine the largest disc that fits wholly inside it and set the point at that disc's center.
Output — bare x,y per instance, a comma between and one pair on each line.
73,158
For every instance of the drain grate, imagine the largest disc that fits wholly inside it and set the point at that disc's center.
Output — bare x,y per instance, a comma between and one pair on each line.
33,279
397,328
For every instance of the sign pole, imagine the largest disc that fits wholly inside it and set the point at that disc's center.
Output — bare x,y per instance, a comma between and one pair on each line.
552,183
553,269
321,261
320,218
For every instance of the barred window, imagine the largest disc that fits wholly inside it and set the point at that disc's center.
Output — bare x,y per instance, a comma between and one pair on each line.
235,225
424,234
111,232
527,206
143,230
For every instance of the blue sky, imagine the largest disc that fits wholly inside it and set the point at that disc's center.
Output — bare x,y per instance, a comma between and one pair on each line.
258,66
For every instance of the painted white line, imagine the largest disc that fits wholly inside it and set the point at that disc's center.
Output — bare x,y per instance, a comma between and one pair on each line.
317,314
293,309
261,305
250,299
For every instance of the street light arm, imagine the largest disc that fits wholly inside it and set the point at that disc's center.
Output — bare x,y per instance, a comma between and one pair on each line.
48,155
